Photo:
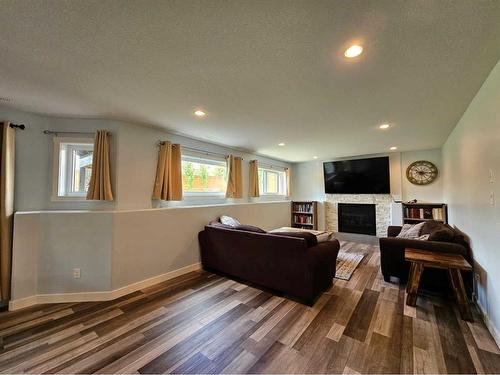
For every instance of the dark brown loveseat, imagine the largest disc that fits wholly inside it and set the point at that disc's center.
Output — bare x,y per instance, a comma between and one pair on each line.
278,262
393,264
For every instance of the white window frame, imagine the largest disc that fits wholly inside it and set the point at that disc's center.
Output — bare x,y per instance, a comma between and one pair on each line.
57,174
282,183
205,159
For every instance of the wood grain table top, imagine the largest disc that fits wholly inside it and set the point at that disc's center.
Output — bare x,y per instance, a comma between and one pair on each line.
437,260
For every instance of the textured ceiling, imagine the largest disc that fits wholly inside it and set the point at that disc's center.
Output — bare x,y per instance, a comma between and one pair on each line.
266,71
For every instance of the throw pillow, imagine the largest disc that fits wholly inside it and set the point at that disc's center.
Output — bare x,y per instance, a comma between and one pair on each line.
430,226
410,231
249,228
442,234
228,220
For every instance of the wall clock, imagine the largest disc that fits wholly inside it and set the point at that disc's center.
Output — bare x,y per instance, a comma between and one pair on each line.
421,172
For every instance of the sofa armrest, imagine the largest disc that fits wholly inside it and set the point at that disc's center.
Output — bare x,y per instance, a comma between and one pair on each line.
441,247
393,230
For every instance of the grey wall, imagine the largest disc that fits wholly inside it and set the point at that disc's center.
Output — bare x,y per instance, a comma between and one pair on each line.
133,162
470,153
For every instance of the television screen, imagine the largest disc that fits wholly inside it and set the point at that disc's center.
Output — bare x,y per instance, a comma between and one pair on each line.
359,176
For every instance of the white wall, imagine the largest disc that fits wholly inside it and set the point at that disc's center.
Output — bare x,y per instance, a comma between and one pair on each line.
470,153
308,182
114,249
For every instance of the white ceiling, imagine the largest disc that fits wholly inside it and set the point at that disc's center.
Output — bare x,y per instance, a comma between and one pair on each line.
266,71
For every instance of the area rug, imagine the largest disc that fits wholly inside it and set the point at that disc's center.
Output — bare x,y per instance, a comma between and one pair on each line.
347,264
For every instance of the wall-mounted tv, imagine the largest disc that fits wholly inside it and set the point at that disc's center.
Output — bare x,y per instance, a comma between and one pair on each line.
358,176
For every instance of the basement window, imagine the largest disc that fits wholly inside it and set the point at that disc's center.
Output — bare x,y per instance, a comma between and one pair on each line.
203,176
272,181
72,167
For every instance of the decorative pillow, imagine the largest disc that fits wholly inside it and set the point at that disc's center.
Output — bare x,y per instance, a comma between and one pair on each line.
249,228
410,231
430,226
442,234
228,220
310,238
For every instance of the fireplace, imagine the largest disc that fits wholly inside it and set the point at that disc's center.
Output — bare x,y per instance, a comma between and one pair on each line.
357,218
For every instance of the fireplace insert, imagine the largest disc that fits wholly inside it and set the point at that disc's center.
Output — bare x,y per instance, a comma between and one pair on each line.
357,218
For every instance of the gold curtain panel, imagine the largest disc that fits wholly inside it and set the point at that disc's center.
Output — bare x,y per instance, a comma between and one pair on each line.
234,178
100,181
168,180
253,184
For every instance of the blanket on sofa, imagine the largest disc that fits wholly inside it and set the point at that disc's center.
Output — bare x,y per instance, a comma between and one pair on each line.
320,235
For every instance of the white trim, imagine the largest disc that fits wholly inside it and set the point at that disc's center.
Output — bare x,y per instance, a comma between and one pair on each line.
100,296
489,324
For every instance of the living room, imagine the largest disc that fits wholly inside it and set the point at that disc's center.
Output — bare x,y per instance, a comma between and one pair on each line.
249,187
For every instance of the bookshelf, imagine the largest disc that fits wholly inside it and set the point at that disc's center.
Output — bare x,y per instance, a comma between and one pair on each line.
305,214
414,213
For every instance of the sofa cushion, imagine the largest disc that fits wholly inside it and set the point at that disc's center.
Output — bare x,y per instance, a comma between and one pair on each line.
442,234
249,228
411,231
310,238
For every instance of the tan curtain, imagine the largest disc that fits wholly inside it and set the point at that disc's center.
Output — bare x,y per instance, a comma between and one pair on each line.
234,177
168,181
253,185
6,207
288,175
100,180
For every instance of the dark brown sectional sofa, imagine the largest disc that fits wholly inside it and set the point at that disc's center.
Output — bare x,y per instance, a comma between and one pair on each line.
295,266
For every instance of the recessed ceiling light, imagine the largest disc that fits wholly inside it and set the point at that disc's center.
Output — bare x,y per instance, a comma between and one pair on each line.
393,148
281,144
199,113
353,51
315,157
384,126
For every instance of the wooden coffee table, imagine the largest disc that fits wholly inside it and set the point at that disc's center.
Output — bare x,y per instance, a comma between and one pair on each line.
453,263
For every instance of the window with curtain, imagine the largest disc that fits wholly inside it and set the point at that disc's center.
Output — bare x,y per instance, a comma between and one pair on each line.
203,175
272,181
72,167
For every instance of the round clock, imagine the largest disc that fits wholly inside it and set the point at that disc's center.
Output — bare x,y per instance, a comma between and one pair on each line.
421,172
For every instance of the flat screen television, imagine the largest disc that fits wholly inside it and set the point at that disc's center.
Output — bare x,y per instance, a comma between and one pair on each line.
359,176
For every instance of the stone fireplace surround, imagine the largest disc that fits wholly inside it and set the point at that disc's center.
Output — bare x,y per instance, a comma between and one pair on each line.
382,209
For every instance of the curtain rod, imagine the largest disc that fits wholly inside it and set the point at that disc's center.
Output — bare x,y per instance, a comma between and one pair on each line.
20,126
197,150
270,165
56,132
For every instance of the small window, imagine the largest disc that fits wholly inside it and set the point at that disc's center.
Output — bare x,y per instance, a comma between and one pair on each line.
203,176
272,182
72,167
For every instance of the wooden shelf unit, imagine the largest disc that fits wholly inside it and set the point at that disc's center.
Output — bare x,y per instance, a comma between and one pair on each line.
418,212
304,214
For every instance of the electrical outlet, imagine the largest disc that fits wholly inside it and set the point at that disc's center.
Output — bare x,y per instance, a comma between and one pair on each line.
492,198
492,176
76,273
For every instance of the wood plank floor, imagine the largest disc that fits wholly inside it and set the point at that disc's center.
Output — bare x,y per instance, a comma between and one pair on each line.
205,323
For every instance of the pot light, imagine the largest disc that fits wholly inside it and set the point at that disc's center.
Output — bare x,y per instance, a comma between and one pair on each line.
200,113
315,157
393,148
384,126
353,51
281,144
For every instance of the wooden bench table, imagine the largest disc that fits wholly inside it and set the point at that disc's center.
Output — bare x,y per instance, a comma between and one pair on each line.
453,263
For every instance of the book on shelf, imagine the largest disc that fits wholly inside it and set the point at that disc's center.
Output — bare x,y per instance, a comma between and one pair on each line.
303,207
426,213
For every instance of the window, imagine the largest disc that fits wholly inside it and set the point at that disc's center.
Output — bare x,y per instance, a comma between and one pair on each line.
272,181
202,176
72,167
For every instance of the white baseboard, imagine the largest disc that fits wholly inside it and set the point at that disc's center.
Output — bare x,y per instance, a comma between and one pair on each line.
489,324
99,296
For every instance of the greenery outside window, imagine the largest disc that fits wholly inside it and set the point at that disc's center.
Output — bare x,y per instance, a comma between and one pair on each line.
203,176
